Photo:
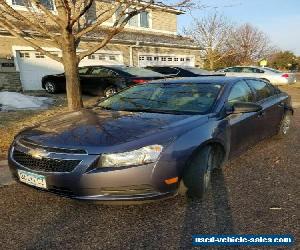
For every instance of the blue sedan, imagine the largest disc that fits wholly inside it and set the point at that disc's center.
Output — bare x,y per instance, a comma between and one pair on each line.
143,142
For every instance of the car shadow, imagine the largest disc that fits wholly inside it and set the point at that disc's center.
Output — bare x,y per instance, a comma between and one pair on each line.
167,224
211,216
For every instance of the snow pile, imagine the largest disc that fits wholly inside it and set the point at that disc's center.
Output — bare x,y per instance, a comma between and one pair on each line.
13,100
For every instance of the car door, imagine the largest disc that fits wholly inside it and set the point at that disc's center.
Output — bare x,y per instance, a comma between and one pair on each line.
243,127
273,106
99,79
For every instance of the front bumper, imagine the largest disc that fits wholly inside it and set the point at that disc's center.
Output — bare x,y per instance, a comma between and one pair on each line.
87,183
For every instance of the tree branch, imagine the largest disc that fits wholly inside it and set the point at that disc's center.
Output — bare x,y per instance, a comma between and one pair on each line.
15,31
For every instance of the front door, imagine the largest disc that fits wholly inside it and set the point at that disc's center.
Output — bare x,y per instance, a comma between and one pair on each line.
243,127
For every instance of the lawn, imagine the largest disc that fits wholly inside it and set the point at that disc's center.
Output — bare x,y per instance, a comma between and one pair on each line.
14,121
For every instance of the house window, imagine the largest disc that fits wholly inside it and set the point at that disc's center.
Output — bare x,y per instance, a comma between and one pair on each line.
156,58
188,59
92,57
144,19
47,3
176,59
140,20
91,14
112,58
170,59
134,21
102,57
182,60
149,58
163,59
39,55
142,58
24,55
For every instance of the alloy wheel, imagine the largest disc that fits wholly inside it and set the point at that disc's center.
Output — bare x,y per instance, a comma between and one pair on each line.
286,124
49,86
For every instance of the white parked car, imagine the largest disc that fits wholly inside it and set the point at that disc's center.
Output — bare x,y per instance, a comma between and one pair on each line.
274,76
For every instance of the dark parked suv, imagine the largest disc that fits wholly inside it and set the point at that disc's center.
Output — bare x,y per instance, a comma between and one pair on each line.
102,80
143,142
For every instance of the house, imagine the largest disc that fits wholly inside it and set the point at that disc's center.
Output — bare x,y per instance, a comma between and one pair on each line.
149,38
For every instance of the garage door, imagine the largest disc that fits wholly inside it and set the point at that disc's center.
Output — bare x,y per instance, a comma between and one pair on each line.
34,65
166,60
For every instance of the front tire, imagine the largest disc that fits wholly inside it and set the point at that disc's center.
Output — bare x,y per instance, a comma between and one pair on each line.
109,91
197,174
50,87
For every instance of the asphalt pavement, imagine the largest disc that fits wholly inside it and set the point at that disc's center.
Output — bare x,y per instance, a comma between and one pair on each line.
257,193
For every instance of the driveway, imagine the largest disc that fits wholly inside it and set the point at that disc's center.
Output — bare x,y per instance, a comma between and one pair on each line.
256,193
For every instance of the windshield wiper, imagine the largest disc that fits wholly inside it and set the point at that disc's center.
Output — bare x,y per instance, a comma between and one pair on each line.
173,112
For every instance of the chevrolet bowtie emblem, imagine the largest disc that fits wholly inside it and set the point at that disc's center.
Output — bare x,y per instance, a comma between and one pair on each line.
38,153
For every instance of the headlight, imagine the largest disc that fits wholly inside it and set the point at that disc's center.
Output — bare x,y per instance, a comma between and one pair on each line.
140,156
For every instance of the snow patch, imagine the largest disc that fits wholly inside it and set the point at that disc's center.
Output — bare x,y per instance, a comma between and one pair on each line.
14,100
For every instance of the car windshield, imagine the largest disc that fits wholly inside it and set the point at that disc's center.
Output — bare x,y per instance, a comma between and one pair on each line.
172,98
198,71
135,71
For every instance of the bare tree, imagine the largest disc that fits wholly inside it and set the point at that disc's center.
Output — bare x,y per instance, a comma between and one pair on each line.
250,45
67,26
212,33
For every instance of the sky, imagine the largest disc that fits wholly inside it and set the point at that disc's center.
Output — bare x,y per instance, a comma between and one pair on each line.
279,19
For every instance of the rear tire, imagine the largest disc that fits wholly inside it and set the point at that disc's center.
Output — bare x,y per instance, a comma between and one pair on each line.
197,174
285,126
50,87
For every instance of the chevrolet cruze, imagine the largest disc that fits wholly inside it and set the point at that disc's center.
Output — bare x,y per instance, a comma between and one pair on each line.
144,141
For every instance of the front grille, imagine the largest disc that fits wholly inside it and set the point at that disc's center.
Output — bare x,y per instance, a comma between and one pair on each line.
44,164
31,144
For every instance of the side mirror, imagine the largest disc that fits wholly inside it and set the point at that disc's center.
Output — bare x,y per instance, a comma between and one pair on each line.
244,107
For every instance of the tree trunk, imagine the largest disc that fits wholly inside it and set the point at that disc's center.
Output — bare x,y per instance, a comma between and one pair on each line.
210,58
211,64
70,62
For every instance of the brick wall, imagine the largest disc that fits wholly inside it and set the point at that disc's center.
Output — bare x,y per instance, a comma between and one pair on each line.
10,81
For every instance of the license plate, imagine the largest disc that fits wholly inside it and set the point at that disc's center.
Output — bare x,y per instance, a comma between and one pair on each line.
32,179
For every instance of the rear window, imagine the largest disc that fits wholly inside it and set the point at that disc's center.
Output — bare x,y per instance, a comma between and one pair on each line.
273,70
165,70
262,89
134,71
198,71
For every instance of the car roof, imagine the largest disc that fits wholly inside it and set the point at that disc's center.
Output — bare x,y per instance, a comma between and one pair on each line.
222,80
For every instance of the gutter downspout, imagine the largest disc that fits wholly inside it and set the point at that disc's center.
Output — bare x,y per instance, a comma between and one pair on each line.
137,45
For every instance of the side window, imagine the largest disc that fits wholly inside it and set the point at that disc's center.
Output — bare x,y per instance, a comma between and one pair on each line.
263,90
240,92
247,70
82,71
256,70
101,72
237,69
229,70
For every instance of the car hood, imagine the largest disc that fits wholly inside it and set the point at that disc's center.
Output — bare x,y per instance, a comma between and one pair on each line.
95,129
